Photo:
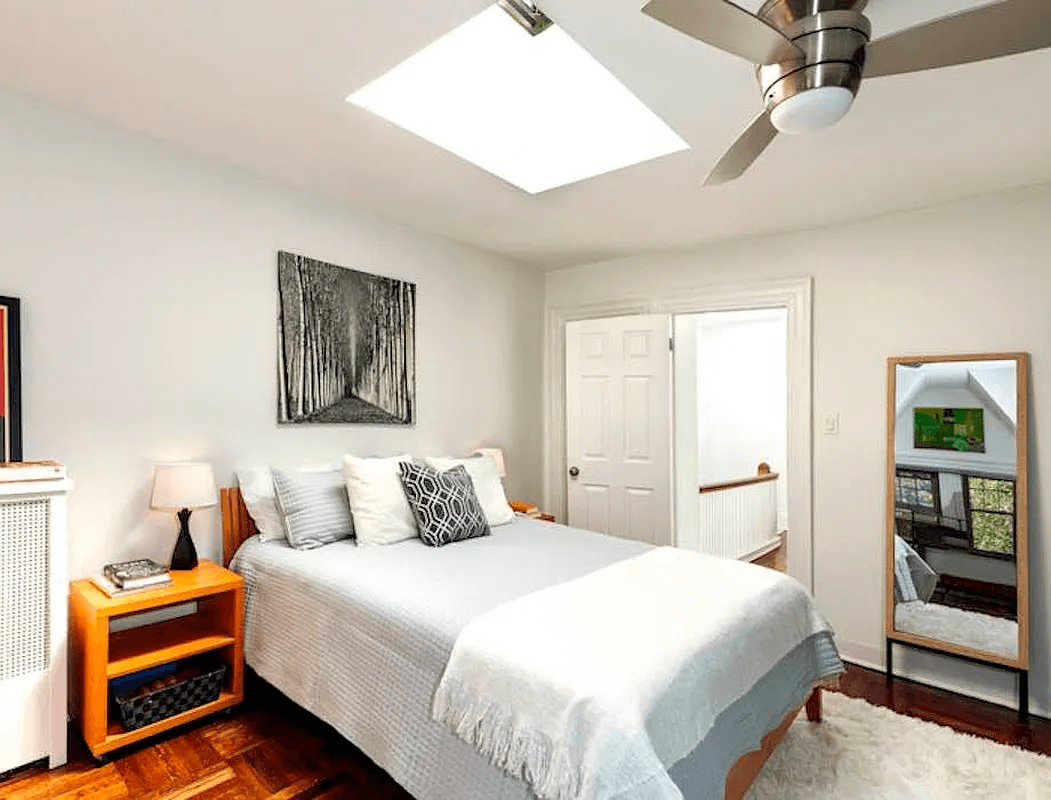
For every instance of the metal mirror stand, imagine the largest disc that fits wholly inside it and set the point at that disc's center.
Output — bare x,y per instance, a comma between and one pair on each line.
1022,672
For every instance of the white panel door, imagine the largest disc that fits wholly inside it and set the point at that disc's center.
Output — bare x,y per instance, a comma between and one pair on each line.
618,426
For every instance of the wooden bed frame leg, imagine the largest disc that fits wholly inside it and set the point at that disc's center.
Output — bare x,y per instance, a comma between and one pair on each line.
748,766
813,705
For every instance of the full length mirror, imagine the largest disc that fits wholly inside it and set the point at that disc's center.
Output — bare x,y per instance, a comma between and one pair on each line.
956,506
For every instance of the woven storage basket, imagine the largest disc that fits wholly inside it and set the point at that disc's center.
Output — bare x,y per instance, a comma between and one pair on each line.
171,700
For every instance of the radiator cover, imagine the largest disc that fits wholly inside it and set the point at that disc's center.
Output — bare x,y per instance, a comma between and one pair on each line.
33,621
24,618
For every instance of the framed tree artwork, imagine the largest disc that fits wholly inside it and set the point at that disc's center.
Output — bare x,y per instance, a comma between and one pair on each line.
10,380
346,345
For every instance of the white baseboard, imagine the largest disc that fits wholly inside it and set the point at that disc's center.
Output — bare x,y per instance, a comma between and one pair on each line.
861,654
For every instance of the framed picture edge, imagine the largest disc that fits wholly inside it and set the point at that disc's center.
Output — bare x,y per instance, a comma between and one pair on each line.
13,376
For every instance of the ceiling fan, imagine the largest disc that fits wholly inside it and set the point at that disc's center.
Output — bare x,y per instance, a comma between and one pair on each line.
811,55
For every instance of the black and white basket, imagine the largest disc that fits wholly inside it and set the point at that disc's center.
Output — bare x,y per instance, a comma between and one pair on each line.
171,700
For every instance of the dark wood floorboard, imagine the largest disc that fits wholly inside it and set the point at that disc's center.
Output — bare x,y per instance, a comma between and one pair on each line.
270,749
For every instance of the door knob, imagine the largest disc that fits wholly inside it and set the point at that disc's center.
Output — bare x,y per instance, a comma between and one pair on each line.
573,472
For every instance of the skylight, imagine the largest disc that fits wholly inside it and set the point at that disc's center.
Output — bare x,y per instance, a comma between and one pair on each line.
537,111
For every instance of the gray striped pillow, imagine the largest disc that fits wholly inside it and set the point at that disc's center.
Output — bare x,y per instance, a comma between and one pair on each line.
313,506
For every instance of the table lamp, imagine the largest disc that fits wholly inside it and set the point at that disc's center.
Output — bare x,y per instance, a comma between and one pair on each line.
182,488
497,455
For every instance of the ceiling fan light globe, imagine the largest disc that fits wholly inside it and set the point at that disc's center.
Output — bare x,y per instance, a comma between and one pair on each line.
812,109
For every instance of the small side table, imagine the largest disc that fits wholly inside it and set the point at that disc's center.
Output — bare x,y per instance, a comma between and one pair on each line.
99,655
543,516
531,511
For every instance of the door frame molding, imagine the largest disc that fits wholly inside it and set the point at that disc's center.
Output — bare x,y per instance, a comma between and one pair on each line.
795,295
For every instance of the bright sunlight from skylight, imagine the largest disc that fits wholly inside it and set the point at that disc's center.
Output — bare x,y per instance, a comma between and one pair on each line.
537,111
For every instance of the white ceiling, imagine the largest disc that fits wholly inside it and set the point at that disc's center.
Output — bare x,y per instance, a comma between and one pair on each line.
261,84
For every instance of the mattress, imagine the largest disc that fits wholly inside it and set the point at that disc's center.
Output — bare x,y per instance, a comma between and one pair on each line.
360,637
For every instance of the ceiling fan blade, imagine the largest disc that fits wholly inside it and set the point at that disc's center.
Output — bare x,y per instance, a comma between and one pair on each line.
722,24
748,147
1000,29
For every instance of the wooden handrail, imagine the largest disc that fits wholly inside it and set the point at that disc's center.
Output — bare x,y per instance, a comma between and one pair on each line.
763,475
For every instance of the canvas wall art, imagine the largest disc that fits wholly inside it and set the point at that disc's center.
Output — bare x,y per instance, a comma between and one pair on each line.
961,429
346,345
10,380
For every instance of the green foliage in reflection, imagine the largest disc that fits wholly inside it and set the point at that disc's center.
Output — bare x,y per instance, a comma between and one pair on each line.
992,531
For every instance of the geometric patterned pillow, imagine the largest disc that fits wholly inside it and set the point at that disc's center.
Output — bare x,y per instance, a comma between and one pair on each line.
444,504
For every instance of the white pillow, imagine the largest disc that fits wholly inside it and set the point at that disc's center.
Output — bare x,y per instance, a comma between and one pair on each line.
257,491
487,485
377,502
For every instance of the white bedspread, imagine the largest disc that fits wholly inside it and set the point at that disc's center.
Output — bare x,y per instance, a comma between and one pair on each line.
360,635
671,638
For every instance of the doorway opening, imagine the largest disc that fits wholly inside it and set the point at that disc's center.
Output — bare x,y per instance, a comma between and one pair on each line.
731,431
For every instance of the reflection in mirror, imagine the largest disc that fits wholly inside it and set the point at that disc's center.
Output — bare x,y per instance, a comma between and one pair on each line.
955,472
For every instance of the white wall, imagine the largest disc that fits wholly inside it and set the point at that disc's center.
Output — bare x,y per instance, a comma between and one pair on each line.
968,565
743,402
997,251
148,281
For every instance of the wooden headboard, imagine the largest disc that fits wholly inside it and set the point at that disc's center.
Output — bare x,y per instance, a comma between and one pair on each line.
237,524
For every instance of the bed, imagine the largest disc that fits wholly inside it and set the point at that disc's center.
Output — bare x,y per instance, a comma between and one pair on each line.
327,629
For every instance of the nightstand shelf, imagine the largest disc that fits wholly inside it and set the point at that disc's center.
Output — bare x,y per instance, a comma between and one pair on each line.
100,655
141,648
117,737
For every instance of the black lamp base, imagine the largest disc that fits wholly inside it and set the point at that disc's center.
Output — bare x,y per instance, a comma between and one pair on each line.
185,554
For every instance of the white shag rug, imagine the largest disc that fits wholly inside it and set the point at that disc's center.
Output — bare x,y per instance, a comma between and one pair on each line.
863,752
982,631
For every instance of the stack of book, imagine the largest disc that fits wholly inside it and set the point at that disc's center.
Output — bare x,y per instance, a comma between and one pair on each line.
127,577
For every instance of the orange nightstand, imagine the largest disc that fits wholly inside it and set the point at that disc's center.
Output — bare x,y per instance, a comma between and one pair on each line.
531,511
99,655
543,516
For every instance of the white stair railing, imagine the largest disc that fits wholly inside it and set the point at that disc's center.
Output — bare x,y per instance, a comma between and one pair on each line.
738,518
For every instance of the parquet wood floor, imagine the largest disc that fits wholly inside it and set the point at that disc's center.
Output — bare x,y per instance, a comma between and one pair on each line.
266,749
270,749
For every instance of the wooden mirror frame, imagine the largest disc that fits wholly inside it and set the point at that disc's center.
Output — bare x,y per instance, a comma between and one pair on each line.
1021,663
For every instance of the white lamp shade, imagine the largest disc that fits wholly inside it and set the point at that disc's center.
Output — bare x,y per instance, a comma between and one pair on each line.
178,486
496,454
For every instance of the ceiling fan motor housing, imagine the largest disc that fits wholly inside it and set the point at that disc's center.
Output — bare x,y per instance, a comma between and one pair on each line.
832,34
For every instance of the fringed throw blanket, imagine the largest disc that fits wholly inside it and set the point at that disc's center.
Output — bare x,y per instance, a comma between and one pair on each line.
592,688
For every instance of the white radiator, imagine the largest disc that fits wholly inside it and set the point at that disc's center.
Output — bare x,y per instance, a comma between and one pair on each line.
33,621
738,522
